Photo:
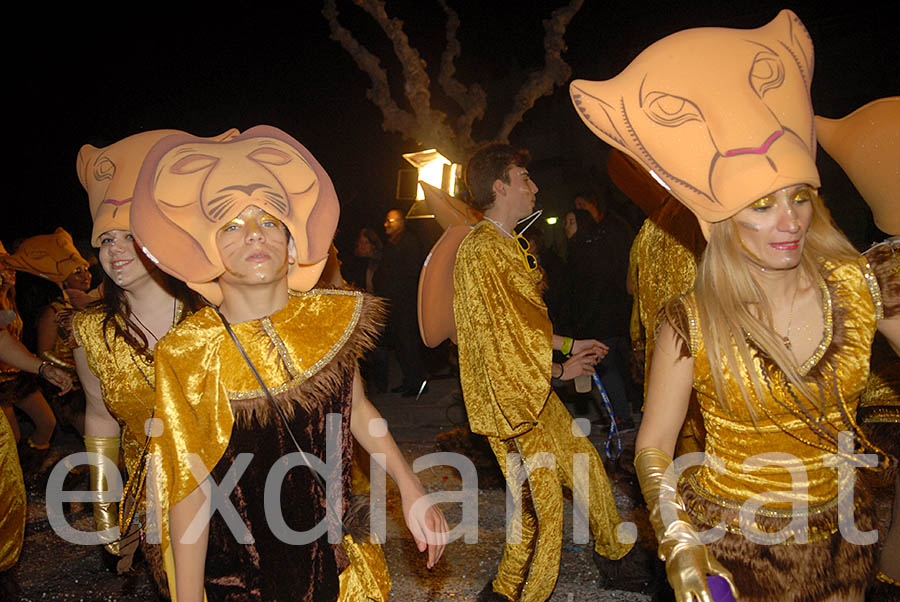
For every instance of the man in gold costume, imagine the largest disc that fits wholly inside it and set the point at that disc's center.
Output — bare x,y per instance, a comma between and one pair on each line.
506,343
252,225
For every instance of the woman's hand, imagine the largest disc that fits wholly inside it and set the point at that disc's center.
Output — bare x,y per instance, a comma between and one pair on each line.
56,376
426,524
581,363
590,344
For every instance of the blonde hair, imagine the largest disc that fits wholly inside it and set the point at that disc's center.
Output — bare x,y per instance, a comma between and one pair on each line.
733,308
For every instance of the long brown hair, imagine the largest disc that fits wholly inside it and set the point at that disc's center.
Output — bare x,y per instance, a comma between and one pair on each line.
732,307
118,311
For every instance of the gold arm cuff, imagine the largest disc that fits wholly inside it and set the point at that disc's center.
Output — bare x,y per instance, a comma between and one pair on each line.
105,514
49,357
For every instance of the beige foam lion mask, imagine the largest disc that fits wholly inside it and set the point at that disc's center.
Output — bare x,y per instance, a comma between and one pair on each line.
50,256
866,144
190,187
720,117
109,174
435,295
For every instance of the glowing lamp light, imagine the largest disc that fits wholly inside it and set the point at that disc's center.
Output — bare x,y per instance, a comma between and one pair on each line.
435,169
551,221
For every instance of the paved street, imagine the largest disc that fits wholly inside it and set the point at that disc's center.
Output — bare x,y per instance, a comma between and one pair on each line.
51,569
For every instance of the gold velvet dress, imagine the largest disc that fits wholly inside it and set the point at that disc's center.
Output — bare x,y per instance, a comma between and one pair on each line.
210,404
13,503
505,354
798,443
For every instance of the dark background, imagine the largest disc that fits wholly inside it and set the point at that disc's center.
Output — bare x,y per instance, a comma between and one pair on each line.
97,74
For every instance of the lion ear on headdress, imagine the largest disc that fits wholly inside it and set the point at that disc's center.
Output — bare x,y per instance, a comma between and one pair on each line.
866,144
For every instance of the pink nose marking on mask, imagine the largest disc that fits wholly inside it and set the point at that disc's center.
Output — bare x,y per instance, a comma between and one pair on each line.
116,203
761,150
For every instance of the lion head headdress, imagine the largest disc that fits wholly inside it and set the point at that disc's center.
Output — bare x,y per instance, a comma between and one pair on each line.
50,256
190,187
109,174
720,117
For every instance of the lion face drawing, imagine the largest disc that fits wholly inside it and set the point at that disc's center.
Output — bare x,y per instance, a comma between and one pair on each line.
720,117
190,187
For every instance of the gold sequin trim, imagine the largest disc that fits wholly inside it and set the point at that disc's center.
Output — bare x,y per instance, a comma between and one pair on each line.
280,348
882,415
872,283
827,329
693,325
785,513
821,531
298,378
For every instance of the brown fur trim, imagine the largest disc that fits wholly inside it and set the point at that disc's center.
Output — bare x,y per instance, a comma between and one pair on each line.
884,259
884,435
153,555
329,380
792,572
675,312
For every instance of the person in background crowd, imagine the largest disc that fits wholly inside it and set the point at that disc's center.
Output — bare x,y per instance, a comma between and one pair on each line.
592,306
397,280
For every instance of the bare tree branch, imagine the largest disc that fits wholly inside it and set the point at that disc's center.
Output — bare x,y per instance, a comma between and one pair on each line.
472,101
424,124
395,118
556,71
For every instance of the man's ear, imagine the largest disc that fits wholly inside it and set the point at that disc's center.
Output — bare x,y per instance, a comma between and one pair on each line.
499,188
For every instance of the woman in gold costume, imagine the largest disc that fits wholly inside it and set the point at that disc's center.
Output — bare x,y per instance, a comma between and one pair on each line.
775,335
114,340
231,435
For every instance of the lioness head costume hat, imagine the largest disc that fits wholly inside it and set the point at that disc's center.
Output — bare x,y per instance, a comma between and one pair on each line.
866,144
190,187
50,256
109,175
720,117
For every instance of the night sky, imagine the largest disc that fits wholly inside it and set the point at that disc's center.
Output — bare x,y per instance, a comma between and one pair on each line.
95,76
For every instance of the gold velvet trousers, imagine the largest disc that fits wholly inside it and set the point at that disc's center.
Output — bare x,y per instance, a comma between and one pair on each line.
529,568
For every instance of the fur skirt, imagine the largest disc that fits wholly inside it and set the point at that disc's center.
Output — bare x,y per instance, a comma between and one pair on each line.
826,565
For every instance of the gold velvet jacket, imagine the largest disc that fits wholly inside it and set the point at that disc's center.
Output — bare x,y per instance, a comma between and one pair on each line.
505,335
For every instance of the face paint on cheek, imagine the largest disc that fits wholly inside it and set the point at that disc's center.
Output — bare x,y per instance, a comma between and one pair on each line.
749,225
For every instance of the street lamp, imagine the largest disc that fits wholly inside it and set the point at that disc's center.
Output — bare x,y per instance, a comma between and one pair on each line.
435,169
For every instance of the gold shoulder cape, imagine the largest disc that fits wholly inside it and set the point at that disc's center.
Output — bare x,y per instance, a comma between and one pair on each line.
200,375
505,336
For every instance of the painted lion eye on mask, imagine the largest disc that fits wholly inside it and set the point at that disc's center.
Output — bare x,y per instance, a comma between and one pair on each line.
767,73
104,170
669,110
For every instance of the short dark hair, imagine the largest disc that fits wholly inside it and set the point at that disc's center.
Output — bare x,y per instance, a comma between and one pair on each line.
488,164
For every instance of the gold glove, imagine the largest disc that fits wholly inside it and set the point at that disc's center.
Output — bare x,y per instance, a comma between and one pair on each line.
105,514
688,561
